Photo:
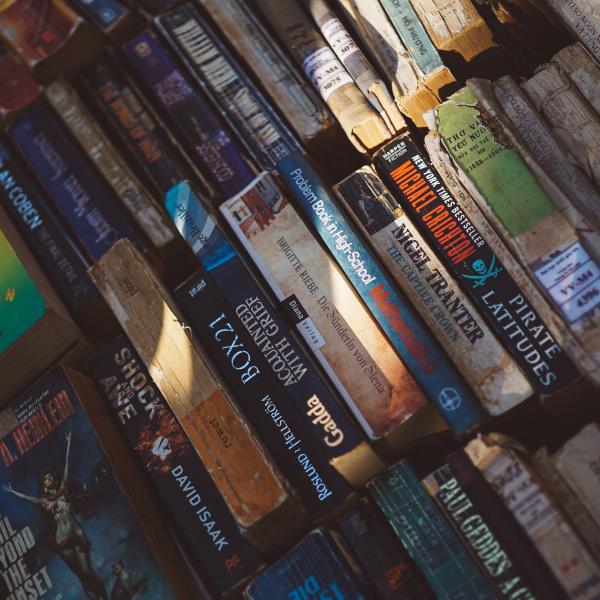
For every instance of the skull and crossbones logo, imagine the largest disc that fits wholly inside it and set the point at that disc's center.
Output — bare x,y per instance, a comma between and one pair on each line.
483,272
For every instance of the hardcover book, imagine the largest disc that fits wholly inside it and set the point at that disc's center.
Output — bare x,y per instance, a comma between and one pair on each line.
49,37
178,476
68,530
270,336
313,569
112,17
463,249
428,538
252,487
33,321
18,88
328,313
489,370
83,198
189,114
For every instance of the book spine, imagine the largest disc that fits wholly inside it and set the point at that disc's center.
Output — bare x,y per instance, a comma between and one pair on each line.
107,15
533,509
302,106
325,309
71,182
232,92
410,338
538,138
582,18
465,253
363,126
530,569
540,235
426,535
261,395
131,121
311,569
413,35
43,232
249,483
379,554
155,436
19,88
340,440
582,70
357,64
189,114
434,293
475,532
82,125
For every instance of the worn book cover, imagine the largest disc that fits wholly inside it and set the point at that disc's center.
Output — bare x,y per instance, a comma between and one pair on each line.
67,530
327,311
178,476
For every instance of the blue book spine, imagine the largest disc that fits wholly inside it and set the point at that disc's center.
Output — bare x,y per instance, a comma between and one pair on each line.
412,341
312,569
225,82
427,536
85,200
339,438
43,232
192,119
104,13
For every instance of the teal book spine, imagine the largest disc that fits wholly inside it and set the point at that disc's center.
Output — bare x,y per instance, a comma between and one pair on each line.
427,536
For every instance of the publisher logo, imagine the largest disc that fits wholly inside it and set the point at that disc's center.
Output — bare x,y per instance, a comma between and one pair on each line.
450,399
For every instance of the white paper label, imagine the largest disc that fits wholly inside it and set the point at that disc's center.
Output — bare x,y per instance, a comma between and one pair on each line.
573,281
326,72
311,334
339,39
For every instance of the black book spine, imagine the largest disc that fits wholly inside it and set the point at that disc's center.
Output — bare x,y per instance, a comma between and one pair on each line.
261,395
180,478
418,188
517,545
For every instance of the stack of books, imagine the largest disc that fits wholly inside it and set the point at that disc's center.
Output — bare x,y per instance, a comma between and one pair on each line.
300,299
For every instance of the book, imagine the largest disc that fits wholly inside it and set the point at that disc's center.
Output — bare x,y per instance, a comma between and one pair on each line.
572,120
283,429
152,7
71,181
568,501
410,338
18,89
428,538
49,37
475,532
463,250
530,571
577,64
178,476
510,474
188,113
373,88
327,312
362,124
68,528
43,232
372,27
379,553
111,17
283,83
253,489
85,129
577,462
33,321
554,323
554,157
543,240
313,568
232,93
582,18
130,120
341,442
488,369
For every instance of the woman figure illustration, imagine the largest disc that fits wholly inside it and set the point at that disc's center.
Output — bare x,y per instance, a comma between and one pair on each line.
58,505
